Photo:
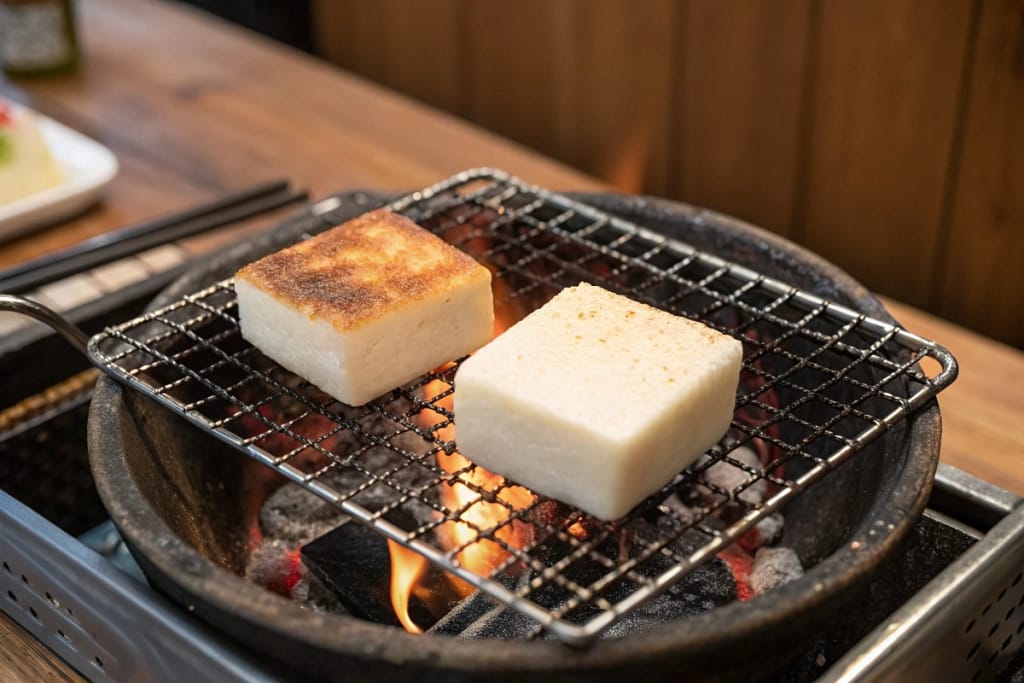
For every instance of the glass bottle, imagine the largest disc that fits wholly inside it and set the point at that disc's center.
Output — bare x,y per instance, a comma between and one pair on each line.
37,37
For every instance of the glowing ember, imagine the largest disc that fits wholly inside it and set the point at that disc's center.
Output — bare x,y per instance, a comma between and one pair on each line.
294,572
275,568
578,530
740,564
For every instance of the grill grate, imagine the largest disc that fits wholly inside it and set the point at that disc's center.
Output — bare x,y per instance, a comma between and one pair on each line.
819,382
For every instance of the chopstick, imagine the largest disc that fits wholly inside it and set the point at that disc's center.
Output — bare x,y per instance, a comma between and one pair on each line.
105,248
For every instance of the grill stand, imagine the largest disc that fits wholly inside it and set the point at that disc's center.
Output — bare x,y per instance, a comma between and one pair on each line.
822,384
115,628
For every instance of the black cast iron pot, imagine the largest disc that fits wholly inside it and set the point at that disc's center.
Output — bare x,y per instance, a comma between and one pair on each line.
183,501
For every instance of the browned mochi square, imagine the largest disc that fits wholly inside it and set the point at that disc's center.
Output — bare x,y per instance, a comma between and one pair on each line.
366,306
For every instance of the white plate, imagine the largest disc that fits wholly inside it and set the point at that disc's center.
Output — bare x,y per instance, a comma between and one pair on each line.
88,167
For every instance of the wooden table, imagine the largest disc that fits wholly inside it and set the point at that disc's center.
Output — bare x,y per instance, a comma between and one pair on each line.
193,107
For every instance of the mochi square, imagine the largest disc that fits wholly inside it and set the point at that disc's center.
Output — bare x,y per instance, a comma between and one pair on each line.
596,400
366,306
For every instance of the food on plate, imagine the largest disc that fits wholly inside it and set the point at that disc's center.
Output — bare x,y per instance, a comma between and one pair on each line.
26,163
366,306
596,400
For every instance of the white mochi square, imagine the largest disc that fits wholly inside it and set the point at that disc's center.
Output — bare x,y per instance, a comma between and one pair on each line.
596,400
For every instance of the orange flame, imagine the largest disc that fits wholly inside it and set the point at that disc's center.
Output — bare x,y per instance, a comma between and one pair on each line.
406,569
479,555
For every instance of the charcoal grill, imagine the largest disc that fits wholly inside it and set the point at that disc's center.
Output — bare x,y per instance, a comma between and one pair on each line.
840,380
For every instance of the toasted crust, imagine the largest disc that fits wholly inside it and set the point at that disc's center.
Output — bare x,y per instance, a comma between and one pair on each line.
362,269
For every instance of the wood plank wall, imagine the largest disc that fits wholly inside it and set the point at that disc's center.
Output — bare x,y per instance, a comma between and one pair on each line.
886,135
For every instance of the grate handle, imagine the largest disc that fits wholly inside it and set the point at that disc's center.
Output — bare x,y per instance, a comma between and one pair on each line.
16,304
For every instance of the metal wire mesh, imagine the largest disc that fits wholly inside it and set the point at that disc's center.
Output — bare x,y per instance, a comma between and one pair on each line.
819,382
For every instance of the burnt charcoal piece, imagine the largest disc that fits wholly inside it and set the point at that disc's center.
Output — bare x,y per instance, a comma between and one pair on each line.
354,562
497,621
712,583
476,606
663,609
583,572
501,622
479,616
706,587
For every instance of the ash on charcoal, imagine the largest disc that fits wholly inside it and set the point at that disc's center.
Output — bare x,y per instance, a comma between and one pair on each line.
480,616
382,475
765,532
274,564
465,614
379,475
774,567
729,477
676,511
644,533
297,516
378,472
769,529
268,563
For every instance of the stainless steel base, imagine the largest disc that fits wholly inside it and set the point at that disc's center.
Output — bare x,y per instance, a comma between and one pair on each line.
106,624
968,622
965,625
